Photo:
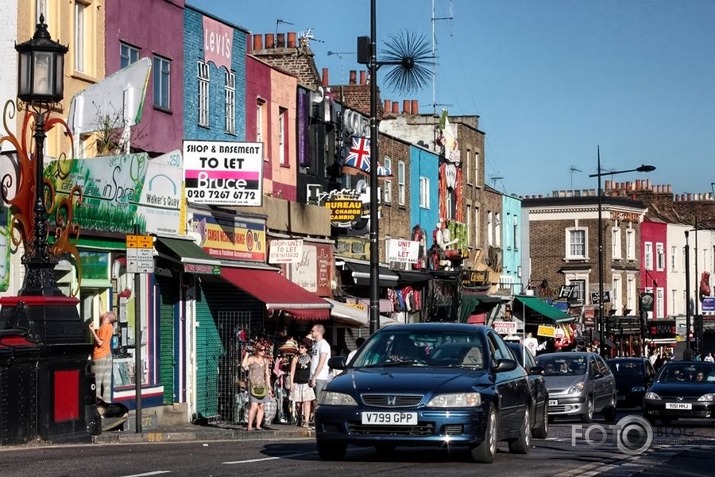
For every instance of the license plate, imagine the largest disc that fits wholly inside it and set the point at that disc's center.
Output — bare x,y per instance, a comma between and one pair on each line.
389,418
621,398
553,402
678,405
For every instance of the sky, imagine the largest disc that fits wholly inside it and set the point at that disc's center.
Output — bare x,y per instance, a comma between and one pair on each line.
553,81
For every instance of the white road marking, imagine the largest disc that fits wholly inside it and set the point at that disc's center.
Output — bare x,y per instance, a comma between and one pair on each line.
264,459
156,472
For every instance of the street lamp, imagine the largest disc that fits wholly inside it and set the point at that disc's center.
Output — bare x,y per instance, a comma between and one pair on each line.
40,86
599,174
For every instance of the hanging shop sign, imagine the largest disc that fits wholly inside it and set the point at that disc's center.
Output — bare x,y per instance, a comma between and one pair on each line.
546,331
119,192
505,327
229,173
402,251
231,238
285,251
313,270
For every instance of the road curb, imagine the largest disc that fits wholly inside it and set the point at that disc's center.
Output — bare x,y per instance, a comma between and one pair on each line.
185,436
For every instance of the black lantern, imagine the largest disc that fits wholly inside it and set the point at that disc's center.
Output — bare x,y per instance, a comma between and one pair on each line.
41,67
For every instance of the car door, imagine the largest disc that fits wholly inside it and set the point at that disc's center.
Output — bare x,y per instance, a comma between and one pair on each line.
607,383
597,383
512,386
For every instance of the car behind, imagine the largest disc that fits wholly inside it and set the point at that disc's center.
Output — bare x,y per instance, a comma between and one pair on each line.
681,390
537,387
427,384
633,377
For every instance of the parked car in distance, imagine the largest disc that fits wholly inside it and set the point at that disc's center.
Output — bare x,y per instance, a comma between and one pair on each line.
537,386
681,389
426,384
633,377
579,384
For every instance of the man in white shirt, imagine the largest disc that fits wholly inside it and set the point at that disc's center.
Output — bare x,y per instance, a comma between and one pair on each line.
319,371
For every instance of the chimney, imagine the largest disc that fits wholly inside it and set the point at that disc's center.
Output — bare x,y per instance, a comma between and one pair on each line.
269,41
257,42
291,39
353,77
281,40
388,105
405,106
396,107
362,77
415,107
325,80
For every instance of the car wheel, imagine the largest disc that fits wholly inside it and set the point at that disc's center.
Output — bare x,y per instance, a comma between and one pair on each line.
587,416
521,444
486,451
609,413
542,430
385,450
331,450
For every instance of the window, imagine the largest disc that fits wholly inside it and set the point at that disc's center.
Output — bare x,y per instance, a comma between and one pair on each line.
162,75
282,133
616,243
490,229
203,75
631,295
468,167
648,255
387,184
616,298
469,225
579,291
128,55
80,10
401,182
497,229
230,102
515,233
576,243
659,256
630,244
477,227
660,302
673,259
260,118
424,192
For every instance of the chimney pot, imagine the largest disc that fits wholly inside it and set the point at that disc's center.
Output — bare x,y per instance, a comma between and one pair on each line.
291,39
388,106
362,77
405,106
353,77
281,40
270,41
325,80
396,107
257,42
415,107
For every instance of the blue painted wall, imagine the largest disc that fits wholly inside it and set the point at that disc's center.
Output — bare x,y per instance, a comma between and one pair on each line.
511,239
193,52
423,163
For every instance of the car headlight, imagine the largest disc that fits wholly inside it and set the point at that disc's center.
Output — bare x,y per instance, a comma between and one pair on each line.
331,398
456,400
707,397
652,395
637,389
576,388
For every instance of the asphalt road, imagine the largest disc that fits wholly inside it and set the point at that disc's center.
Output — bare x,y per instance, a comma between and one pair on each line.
563,454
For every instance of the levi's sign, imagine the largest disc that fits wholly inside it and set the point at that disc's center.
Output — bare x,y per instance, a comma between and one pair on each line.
229,173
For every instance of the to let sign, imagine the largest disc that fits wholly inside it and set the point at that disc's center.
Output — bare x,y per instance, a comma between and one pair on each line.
285,251
402,251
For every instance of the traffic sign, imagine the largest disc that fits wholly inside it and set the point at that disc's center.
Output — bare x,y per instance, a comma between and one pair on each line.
140,254
140,241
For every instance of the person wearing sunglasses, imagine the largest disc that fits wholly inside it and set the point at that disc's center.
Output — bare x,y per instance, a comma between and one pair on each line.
301,393
259,384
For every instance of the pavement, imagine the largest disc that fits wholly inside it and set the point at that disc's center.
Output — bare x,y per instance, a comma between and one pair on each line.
194,432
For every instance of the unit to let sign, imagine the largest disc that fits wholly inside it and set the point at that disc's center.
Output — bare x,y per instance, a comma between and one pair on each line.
228,173
140,254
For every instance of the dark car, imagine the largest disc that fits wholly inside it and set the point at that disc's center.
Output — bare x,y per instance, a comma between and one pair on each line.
681,389
580,384
426,384
539,393
633,377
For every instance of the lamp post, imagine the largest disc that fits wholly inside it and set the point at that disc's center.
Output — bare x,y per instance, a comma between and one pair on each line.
599,174
40,86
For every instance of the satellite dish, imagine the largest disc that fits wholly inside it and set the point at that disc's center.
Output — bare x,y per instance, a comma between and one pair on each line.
318,96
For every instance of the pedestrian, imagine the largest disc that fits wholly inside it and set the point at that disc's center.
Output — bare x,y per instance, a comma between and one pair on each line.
709,358
358,342
102,355
259,384
320,355
301,393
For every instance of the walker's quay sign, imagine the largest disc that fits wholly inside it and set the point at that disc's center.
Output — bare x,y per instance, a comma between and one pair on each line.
224,173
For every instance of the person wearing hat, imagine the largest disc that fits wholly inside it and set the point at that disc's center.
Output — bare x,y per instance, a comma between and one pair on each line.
301,393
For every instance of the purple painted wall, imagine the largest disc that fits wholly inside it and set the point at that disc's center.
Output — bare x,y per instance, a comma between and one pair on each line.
157,28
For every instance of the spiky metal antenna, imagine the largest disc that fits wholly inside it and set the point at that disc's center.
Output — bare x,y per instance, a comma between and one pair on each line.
410,57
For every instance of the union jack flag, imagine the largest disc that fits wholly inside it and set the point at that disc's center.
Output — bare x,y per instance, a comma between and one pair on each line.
358,158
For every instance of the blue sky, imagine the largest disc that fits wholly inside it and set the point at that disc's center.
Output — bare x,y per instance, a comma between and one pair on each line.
551,80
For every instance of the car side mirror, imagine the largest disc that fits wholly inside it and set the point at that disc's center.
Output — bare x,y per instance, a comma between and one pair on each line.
536,370
504,365
337,362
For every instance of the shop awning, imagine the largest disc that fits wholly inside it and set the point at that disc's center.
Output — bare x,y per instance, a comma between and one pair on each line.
361,274
191,256
539,306
476,303
355,315
278,293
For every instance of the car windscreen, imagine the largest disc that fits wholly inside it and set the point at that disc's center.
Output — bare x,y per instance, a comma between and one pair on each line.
687,372
562,364
627,368
409,348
